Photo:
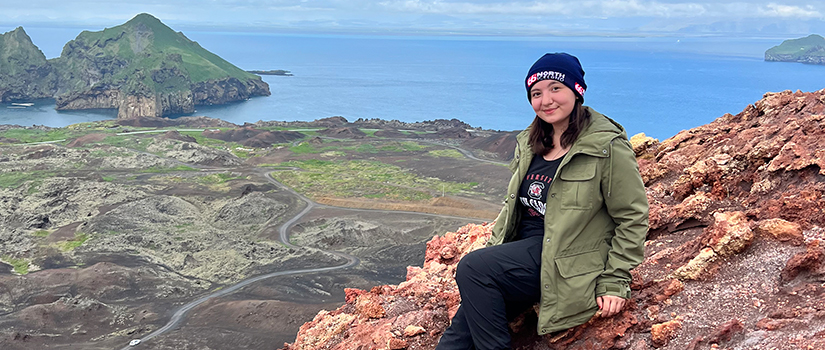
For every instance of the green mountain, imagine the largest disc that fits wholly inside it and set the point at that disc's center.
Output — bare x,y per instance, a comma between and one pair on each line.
810,49
141,68
24,72
144,68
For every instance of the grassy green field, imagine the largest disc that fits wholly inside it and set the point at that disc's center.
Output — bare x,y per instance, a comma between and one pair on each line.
360,147
801,46
363,179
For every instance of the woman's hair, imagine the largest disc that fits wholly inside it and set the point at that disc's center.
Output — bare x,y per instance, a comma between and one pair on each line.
541,140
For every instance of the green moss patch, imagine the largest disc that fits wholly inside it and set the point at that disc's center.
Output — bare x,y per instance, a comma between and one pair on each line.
447,153
19,266
78,240
17,178
363,179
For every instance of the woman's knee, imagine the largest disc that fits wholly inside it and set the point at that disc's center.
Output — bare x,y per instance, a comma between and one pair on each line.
470,267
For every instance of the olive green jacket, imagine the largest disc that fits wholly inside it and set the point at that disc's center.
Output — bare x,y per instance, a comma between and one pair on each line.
595,223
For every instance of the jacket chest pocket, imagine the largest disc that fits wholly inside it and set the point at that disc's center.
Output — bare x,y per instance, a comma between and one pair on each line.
579,185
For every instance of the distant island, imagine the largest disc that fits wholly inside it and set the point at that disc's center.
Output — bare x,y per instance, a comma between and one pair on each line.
810,49
280,72
142,68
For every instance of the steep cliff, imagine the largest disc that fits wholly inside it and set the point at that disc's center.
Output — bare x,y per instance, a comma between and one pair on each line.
24,72
810,49
144,68
734,258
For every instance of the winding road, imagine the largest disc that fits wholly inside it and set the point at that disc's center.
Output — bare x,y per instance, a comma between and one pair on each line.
283,236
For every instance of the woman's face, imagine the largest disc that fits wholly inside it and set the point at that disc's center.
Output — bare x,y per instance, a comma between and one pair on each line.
553,102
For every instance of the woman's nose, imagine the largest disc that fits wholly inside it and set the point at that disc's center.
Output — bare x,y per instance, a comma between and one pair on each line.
546,99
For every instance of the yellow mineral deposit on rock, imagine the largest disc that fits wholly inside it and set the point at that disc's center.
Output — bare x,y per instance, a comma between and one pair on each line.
661,334
780,230
696,266
411,330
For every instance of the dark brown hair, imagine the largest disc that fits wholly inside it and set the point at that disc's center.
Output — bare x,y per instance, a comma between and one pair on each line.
541,132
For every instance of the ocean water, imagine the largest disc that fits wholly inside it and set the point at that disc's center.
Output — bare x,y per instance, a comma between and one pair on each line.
658,86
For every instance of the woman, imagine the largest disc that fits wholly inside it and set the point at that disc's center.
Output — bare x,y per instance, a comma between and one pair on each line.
573,224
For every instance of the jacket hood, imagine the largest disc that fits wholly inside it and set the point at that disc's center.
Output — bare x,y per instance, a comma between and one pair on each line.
599,133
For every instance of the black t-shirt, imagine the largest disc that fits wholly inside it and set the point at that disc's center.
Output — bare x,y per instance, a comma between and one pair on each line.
532,195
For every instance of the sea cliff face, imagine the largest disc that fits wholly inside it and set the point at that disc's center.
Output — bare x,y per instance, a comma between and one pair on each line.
227,90
809,59
25,72
734,258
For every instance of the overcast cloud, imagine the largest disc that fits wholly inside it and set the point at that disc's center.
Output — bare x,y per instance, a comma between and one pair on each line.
516,17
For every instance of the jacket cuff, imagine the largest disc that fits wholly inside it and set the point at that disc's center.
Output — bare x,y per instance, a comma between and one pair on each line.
615,289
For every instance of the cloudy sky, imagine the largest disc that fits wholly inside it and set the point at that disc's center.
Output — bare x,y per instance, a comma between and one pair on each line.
441,16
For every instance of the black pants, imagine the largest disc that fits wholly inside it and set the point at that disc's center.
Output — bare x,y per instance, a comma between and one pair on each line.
496,284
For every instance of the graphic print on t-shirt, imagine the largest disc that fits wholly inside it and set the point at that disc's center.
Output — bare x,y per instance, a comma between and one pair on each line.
535,190
535,204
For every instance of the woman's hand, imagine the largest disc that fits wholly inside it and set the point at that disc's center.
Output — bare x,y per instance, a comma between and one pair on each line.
610,304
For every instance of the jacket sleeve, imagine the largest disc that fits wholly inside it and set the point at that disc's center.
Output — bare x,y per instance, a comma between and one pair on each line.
497,236
626,202
502,221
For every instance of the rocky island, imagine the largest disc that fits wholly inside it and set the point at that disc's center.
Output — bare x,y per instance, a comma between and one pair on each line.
141,68
810,49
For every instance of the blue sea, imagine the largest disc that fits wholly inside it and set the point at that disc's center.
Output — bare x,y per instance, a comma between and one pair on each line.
655,85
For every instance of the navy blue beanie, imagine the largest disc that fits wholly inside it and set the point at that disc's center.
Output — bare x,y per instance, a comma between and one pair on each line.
559,66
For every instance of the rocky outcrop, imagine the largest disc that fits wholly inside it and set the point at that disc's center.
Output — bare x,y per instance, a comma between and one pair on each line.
344,132
816,56
221,91
24,72
500,145
734,258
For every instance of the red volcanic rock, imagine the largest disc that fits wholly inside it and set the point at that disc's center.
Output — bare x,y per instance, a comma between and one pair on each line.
726,331
732,203
780,230
662,333
764,161
396,344
369,305
811,259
